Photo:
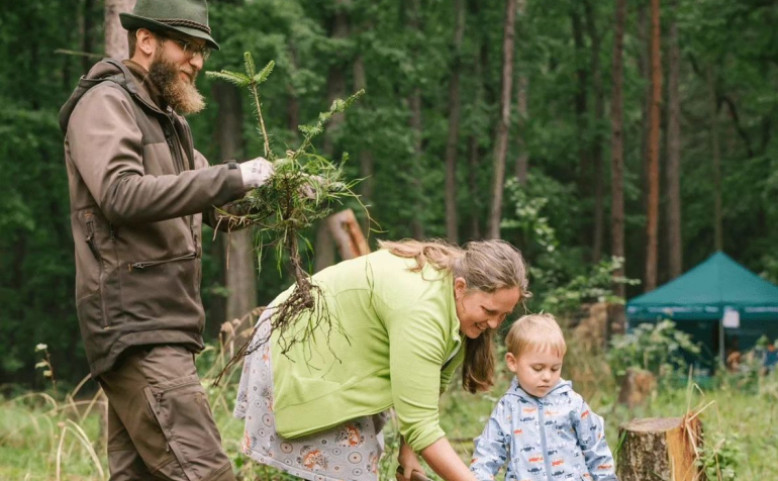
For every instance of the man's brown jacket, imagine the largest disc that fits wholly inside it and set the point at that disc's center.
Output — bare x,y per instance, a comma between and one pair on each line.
138,190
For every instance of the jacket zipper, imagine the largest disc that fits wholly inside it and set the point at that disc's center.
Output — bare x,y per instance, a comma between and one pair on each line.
144,265
177,154
90,238
543,445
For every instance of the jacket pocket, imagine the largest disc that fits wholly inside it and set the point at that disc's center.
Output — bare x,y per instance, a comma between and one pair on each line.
92,272
162,292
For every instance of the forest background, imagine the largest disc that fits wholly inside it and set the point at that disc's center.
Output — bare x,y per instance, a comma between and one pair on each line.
576,129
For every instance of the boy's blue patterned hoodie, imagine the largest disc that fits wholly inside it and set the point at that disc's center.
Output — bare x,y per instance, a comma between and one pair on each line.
553,438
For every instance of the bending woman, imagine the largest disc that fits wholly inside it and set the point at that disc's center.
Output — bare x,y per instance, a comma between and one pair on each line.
402,319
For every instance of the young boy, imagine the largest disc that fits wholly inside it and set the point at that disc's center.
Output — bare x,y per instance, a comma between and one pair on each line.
541,427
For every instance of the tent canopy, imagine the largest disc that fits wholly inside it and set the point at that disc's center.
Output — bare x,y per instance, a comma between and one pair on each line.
706,291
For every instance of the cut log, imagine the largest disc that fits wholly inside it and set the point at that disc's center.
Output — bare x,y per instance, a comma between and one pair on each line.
660,448
348,235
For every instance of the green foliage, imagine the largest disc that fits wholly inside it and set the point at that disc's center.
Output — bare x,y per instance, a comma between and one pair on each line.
528,218
722,454
658,348
560,281
406,49
301,191
40,431
595,285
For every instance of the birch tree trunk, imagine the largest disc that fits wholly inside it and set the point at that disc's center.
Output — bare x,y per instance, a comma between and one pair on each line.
673,173
501,137
652,209
115,35
617,143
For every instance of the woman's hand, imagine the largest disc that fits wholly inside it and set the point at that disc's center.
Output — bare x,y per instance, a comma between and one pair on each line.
442,458
409,462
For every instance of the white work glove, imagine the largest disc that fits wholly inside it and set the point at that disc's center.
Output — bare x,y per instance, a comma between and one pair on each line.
255,172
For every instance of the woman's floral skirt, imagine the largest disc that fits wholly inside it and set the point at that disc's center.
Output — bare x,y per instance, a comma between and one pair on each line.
346,452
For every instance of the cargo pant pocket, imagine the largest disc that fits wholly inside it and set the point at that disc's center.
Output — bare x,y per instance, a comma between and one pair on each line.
181,408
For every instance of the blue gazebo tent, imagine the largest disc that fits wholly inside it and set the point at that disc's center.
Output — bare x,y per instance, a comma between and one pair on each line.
720,303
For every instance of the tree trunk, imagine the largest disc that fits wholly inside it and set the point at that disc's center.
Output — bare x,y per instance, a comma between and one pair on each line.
336,88
501,137
452,141
415,123
617,144
652,209
673,175
522,90
366,160
718,237
476,207
597,138
115,35
292,104
580,105
661,448
87,34
643,32
414,102
240,267
336,81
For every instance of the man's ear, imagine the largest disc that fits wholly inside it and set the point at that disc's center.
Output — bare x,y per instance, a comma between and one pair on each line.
145,44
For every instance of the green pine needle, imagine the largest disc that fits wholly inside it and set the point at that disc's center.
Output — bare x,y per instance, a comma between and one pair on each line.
303,190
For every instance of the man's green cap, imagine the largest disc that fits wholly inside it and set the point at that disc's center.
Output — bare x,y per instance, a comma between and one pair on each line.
188,17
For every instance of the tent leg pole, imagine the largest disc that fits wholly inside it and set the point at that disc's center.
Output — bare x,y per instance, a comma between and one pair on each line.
721,344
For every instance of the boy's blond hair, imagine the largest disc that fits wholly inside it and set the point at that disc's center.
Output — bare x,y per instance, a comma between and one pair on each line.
535,332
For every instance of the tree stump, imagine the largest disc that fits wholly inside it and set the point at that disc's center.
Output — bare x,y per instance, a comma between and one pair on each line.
636,387
660,448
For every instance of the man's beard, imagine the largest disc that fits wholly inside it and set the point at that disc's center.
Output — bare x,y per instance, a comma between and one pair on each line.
181,95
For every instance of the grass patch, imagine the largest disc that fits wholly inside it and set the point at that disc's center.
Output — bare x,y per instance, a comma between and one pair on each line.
45,437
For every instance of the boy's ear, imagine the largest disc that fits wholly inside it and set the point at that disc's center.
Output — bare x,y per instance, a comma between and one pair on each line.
511,361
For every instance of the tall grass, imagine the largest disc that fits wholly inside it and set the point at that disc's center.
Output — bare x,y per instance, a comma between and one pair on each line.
45,437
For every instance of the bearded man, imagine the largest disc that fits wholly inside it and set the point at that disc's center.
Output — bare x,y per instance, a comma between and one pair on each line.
139,193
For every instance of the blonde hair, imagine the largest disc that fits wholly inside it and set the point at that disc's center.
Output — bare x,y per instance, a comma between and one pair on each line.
485,266
535,332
